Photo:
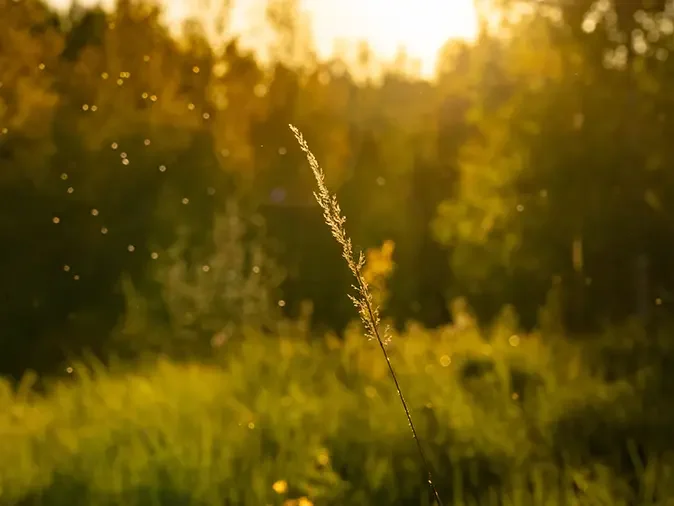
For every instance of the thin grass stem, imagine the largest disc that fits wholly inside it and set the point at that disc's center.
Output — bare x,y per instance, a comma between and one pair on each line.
367,309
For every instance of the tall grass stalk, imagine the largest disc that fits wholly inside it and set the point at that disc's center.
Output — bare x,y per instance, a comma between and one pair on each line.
363,300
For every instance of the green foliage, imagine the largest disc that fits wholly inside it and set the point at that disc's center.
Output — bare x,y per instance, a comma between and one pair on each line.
506,418
522,202
115,132
207,295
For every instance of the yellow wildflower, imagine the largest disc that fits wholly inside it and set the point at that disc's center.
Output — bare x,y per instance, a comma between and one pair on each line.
280,487
379,262
378,268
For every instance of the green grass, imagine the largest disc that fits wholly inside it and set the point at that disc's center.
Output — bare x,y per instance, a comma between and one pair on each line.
322,416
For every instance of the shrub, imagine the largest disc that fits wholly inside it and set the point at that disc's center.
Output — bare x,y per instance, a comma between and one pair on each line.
203,295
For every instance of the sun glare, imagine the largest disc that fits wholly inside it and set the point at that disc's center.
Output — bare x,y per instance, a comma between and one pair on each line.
420,27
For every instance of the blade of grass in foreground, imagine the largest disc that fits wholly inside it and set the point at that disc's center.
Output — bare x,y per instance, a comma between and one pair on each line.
367,309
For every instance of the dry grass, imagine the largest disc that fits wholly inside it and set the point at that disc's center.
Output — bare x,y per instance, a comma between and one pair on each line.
363,300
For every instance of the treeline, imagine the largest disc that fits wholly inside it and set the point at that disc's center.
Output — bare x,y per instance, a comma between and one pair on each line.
147,180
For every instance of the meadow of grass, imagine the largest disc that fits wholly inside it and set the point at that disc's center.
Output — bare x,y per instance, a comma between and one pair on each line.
284,418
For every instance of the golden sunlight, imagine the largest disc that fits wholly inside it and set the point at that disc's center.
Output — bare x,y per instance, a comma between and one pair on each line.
420,27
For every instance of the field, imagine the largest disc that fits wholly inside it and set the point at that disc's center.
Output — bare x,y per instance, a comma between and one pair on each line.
283,419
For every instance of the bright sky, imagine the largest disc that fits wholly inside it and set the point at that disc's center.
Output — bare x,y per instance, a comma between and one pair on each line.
420,26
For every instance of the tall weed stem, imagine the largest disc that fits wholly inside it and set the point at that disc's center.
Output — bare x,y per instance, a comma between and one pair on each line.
363,300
